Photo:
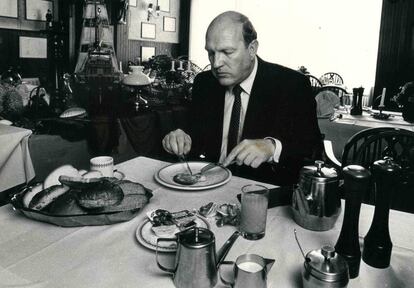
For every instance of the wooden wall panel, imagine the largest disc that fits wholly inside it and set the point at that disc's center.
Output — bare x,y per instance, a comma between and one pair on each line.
10,30
395,66
9,51
129,50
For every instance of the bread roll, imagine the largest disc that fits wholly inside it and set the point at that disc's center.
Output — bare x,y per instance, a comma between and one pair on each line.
30,193
47,196
82,172
129,187
92,174
100,195
65,204
53,177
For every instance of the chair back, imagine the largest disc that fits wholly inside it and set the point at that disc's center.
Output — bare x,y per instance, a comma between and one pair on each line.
315,83
370,145
207,67
340,91
331,78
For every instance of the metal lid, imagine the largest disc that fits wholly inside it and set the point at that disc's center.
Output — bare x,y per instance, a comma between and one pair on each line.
327,265
387,165
319,172
196,237
357,172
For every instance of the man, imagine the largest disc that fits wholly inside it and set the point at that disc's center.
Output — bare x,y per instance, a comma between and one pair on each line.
276,125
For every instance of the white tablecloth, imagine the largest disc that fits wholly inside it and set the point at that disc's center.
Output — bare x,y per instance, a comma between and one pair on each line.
15,163
35,254
366,120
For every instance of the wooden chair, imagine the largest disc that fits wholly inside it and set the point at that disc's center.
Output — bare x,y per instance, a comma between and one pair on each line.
372,144
315,84
207,67
331,78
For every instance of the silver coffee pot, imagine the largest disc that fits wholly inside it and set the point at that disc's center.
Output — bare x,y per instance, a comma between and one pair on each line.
196,261
316,203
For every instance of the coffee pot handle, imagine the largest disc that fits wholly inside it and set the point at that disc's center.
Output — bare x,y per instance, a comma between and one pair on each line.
169,270
226,282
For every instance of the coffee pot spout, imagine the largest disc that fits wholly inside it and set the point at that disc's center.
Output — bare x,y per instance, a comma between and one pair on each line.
269,264
224,250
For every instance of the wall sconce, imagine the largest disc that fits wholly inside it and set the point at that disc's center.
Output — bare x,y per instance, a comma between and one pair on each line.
151,11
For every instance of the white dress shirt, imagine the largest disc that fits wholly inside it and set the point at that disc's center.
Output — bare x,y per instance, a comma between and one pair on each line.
246,86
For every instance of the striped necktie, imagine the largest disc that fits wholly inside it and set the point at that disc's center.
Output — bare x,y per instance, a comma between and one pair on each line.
234,120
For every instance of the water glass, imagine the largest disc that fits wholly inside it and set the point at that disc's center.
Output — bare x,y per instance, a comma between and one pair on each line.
348,102
254,202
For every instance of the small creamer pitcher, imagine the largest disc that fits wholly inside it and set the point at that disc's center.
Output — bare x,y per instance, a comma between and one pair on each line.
250,270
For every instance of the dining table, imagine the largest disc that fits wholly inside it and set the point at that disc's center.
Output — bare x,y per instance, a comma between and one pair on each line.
37,254
342,125
16,165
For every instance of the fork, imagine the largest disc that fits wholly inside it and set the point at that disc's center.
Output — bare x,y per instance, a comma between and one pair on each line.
182,159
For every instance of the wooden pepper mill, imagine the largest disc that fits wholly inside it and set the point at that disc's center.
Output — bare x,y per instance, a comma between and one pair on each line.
356,183
357,101
377,242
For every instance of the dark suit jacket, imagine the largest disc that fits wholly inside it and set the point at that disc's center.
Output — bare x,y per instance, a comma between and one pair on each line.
281,105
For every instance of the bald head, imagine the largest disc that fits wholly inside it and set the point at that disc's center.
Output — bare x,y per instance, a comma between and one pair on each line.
234,19
231,46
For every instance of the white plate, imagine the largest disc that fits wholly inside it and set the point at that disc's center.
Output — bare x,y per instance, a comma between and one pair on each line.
214,177
147,238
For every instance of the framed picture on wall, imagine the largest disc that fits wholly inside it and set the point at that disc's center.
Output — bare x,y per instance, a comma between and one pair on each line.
132,3
147,53
164,5
8,8
37,9
169,24
32,47
147,30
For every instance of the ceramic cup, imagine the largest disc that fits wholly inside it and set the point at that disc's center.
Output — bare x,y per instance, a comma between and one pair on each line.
103,164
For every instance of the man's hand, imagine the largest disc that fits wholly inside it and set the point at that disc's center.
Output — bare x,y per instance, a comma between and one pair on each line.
251,152
177,142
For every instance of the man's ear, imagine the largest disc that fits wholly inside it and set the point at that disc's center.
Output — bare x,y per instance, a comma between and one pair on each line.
253,46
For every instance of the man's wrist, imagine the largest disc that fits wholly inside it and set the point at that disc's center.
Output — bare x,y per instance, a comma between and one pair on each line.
276,151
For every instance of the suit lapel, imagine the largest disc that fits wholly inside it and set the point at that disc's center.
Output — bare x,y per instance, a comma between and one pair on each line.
216,112
256,101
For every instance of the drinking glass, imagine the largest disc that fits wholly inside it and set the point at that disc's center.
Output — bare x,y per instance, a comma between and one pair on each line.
254,201
348,102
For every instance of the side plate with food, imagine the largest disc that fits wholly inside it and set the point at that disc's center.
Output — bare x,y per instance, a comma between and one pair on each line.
164,224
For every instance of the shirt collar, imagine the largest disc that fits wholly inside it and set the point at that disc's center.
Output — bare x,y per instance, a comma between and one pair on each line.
247,83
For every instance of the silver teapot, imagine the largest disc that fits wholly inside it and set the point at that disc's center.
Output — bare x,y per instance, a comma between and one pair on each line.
316,203
196,261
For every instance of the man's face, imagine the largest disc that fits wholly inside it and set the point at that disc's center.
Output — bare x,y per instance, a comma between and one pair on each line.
231,61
